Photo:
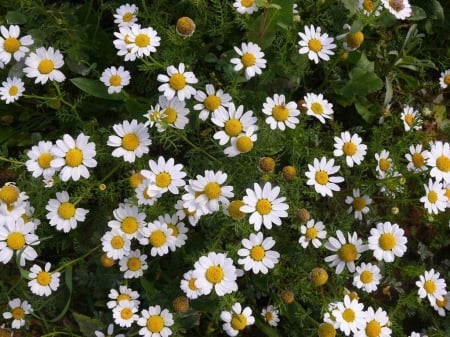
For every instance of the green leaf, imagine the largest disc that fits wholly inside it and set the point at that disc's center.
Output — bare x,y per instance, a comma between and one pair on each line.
351,6
87,325
434,9
265,329
364,111
95,88
15,18
418,14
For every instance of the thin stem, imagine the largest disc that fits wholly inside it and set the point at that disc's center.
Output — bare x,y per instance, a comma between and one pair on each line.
74,261
12,161
182,136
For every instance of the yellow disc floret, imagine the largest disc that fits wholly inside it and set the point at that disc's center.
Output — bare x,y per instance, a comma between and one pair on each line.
177,81
130,142
9,194
157,238
66,210
238,322
155,323
46,66
348,252
315,45
214,274
263,206
387,241
15,240
248,59
212,102
11,45
257,253
74,157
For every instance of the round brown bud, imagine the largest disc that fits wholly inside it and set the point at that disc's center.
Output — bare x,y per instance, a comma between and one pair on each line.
5,333
107,261
266,164
303,215
180,304
354,40
136,179
326,330
318,276
234,209
287,296
102,187
185,26
289,172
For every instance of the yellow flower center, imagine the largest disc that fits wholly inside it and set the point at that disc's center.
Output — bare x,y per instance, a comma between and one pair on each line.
326,330
154,116
66,210
280,113
248,59
263,206
214,274
396,5
170,115
432,197
384,164
44,278
130,142
46,66
18,313
366,276
174,229
163,179
311,233
257,253
126,313
117,242
349,148
443,163
11,45
134,263
9,194
212,102
429,286
368,5
315,45
349,315
136,179
177,81
387,241
142,40
157,238
348,252
442,303
212,190
321,177
115,80
447,193
409,119
13,90
317,108
418,160
447,79
373,329
129,225
355,40
74,157
127,17
233,127
234,209
244,144
122,297
155,323
238,322
15,240
247,3
44,160
359,203
192,285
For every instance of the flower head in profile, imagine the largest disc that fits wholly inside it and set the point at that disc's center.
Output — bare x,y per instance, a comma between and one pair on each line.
115,79
13,46
384,164
177,82
251,59
123,43
412,120
347,251
237,319
40,157
439,160
280,114
245,6
210,101
444,79
443,306
126,15
256,254
44,65
416,158
435,199
315,44
387,241
19,309
155,322
63,214
401,9
312,232
173,113
270,315
358,203
352,40
351,146
189,287
431,286
320,175
369,7
11,89
178,229
42,281
318,107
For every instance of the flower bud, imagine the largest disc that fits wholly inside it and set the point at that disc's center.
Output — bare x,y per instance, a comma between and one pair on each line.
234,209
318,276
107,261
326,330
136,179
185,26
266,164
180,304
287,296
289,173
303,215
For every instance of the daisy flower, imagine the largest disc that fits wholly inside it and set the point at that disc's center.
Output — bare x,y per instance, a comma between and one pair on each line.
367,277
387,241
347,251
11,89
352,40
73,157
182,213
431,286
109,332
439,160
416,158
40,158
237,319
159,236
173,113
126,15
43,64
417,334
131,140
115,244
18,237
42,281
435,199
251,59
153,116
281,114
217,271
265,206
270,315
125,314
442,306
147,193
243,143
444,80
384,164
115,79
210,101
178,229
411,118
134,264
316,45
350,146
401,9
143,41
377,323
368,7
155,322
312,233
320,175
349,315
11,46
189,287
124,293
176,82
256,254
358,203
62,213
232,122
123,43
165,175
19,309
128,220
245,6
318,107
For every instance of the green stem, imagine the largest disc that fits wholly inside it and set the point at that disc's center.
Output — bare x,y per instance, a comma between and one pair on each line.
182,136
58,333
12,161
74,261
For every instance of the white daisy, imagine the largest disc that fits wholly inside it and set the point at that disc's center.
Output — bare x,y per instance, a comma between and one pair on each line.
237,319
416,158
153,116
320,175
369,7
401,9
176,82
128,220
11,89
367,277
251,59
256,254
43,64
42,281
350,146
281,114
245,6
178,229
217,271
312,232
40,158
164,175
19,309
349,315
124,293
243,143
443,306
131,140
115,244
384,164
431,286
143,41
124,314
265,206
63,214
210,101
444,79
189,286
134,264
123,43
387,241
173,113
147,193
435,199
13,46
159,236
73,157
347,251
270,315
411,118
109,332
155,322
417,334
182,213
439,160
377,323
232,122
126,15
316,45
115,79
358,204
318,107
